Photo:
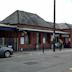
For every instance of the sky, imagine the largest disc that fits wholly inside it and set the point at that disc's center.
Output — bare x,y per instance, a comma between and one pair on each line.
44,8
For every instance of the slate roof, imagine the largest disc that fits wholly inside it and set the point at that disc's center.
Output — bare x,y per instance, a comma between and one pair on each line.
61,26
11,19
50,24
69,25
21,17
57,25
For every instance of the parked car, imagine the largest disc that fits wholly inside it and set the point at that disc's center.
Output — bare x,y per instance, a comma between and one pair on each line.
6,52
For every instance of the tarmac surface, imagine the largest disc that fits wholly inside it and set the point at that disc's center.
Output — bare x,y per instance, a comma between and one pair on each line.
37,61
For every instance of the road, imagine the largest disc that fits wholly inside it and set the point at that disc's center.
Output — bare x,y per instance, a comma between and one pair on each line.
60,61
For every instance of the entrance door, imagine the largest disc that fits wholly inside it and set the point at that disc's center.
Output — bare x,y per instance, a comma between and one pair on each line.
11,42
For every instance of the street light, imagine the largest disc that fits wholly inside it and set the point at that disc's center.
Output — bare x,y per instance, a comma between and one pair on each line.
54,26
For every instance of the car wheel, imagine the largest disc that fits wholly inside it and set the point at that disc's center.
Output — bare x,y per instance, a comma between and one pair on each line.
7,54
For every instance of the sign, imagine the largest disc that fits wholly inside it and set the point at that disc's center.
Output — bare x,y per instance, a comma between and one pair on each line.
52,37
44,40
65,35
21,40
56,35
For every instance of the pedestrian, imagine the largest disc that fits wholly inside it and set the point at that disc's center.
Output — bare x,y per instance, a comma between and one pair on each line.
61,44
43,49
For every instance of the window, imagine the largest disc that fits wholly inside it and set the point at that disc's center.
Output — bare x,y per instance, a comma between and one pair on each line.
28,33
66,40
25,38
45,37
39,38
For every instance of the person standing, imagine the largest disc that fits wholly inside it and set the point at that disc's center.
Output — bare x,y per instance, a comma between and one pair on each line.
61,44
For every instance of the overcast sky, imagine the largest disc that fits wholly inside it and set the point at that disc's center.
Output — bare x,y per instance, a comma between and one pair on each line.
44,8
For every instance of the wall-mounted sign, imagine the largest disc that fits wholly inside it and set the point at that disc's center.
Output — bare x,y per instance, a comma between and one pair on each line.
56,35
21,40
65,35
44,40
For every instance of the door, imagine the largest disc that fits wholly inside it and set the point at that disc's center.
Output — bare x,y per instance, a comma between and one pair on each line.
11,42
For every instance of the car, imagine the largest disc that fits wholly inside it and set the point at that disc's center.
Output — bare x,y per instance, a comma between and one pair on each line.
6,52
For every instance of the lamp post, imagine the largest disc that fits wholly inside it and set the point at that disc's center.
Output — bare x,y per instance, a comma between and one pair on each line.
54,26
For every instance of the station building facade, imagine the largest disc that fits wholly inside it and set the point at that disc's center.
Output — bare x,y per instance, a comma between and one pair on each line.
28,31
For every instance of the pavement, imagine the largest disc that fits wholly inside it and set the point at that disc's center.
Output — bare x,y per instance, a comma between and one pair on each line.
48,52
37,61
